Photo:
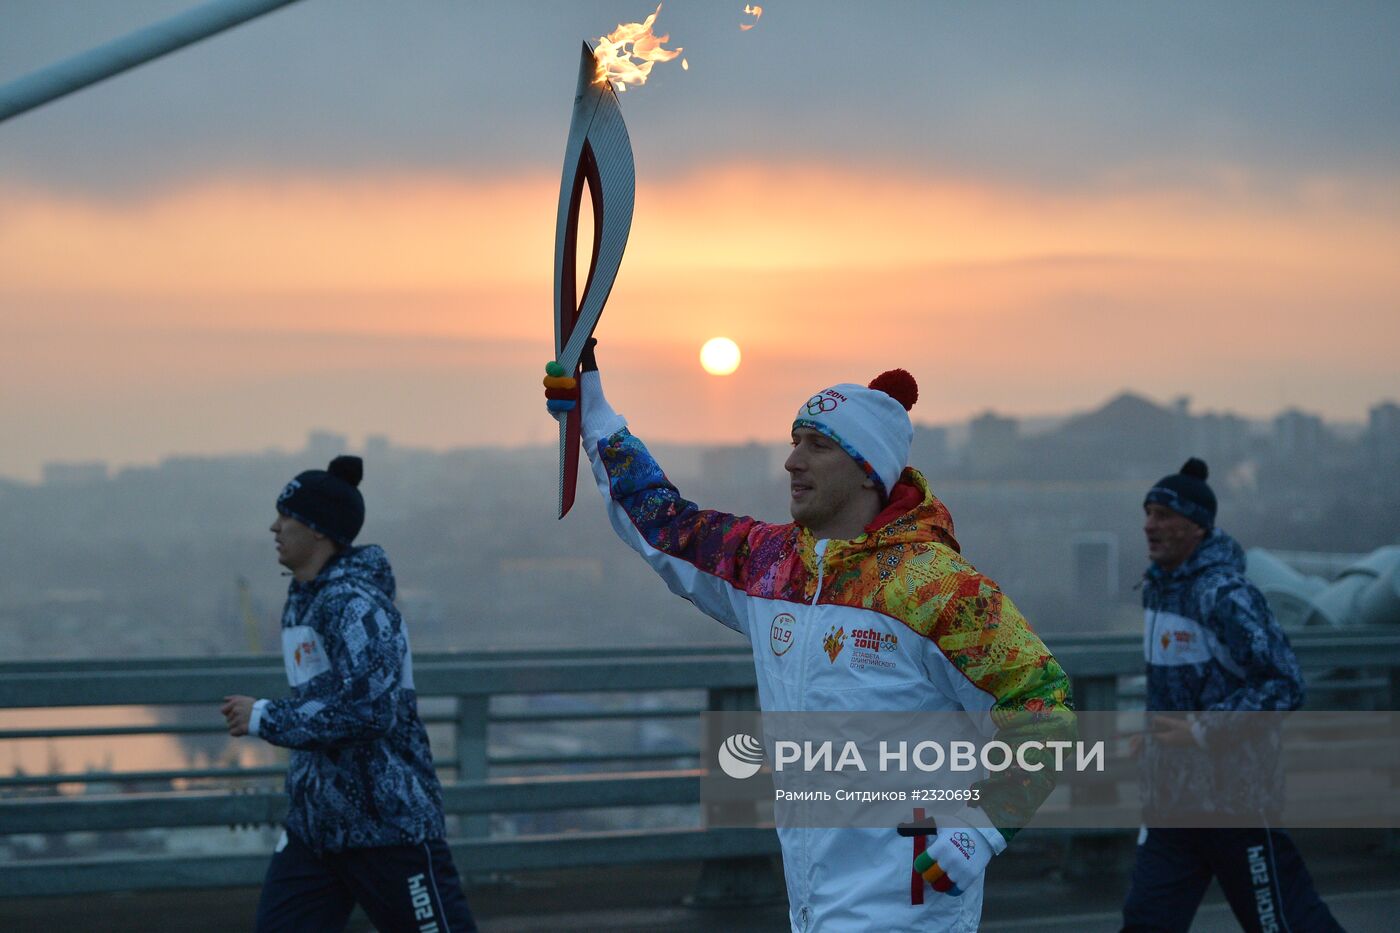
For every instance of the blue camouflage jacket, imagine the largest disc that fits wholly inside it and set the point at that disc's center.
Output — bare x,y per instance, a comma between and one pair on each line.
1214,649
361,771
1210,638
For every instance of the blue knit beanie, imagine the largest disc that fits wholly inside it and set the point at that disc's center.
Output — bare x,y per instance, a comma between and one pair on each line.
328,500
1187,493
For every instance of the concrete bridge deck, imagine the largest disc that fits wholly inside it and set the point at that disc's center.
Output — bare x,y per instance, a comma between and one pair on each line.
1026,891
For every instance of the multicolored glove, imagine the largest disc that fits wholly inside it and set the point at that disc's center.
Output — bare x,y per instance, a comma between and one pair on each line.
955,860
560,390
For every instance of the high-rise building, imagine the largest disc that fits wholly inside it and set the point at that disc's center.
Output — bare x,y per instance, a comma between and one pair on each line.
1298,434
991,442
323,446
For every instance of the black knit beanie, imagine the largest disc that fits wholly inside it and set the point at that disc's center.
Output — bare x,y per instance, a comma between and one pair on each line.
328,500
1186,493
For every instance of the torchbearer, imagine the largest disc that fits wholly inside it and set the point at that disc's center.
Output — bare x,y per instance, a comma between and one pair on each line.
869,548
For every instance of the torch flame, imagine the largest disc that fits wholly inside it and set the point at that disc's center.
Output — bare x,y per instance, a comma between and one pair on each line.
615,51
756,12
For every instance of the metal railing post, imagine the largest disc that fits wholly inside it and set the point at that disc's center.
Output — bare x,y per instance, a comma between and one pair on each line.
729,882
1391,844
1089,854
470,732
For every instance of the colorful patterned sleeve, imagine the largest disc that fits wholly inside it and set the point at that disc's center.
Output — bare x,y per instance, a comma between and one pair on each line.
703,555
987,639
356,700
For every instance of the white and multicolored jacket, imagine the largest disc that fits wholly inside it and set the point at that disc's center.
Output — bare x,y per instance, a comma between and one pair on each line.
895,619
361,773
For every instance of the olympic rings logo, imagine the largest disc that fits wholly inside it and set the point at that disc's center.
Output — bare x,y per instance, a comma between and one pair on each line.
821,404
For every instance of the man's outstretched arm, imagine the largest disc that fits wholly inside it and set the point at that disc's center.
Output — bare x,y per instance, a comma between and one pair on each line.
702,554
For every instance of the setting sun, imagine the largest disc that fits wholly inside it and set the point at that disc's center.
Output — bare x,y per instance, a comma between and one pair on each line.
719,356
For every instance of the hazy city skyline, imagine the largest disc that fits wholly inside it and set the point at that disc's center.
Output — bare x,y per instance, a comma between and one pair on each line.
325,441
177,558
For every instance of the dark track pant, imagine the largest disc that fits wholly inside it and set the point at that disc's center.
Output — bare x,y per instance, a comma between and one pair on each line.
1260,871
403,889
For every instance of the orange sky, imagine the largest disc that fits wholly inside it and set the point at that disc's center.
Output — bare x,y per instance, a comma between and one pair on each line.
236,314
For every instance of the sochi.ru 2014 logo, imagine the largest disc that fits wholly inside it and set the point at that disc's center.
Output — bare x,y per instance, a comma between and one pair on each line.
740,756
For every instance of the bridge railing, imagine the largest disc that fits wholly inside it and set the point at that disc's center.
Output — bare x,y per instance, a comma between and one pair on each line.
472,695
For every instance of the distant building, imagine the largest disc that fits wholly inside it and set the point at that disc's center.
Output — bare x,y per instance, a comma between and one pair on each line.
1382,438
1219,438
84,473
377,447
323,446
1384,419
1095,576
1298,434
1126,438
991,442
929,450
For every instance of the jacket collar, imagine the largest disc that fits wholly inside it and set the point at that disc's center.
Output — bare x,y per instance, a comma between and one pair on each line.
914,515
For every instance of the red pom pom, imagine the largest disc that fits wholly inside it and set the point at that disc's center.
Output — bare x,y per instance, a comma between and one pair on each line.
898,385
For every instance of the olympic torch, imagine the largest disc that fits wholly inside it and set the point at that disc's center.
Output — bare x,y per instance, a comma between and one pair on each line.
598,154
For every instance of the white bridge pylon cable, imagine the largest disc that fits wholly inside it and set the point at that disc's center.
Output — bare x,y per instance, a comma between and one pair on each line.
135,48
